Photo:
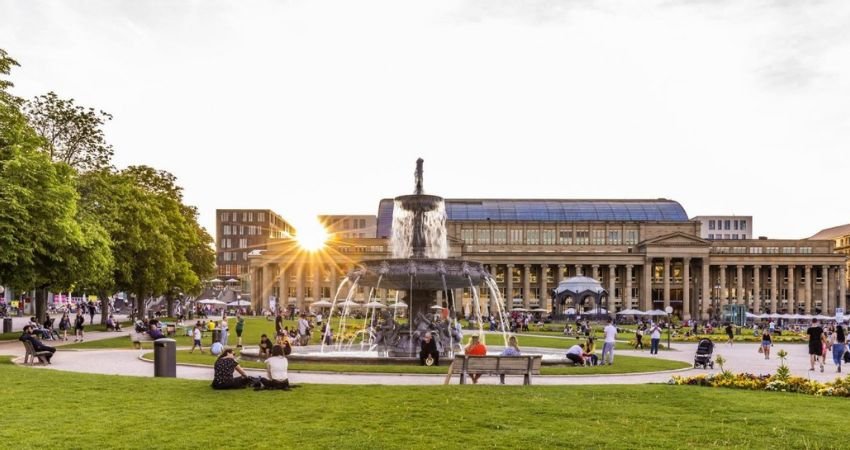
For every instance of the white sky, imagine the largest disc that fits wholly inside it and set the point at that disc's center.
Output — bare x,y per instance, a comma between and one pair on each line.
308,107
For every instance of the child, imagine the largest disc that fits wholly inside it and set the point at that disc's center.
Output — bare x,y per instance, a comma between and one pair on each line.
196,336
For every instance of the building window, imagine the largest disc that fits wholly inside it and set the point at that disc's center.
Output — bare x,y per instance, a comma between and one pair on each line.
233,217
582,237
223,217
725,236
243,243
483,237
261,217
710,224
756,250
565,237
743,224
734,236
250,217
789,250
516,236
465,234
739,249
244,216
614,237
533,237
727,225
500,236
362,223
345,224
805,249
721,249
548,237
631,237
711,236
771,249
598,237
735,223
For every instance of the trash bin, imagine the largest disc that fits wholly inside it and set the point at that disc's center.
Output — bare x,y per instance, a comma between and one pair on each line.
216,336
7,325
165,358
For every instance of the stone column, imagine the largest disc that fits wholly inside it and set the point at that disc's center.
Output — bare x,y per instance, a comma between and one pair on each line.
595,272
739,285
723,291
317,282
578,270
667,282
646,286
808,294
334,279
559,275
509,287
299,286
627,296
267,284
612,287
842,286
526,285
543,297
257,288
686,289
283,286
792,291
774,303
825,306
757,289
706,289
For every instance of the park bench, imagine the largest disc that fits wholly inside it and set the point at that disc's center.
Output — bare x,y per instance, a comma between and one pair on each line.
137,338
526,366
31,354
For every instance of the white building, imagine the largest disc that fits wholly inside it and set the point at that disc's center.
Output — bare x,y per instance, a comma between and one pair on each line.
725,227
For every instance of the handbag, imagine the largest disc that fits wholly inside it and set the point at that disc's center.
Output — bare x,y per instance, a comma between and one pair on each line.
761,349
429,361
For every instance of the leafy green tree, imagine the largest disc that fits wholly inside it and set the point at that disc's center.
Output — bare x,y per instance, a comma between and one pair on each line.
72,134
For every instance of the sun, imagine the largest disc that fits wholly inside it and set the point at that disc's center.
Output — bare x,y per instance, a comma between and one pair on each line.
311,236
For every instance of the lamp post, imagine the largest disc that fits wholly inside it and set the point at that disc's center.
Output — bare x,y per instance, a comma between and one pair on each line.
668,310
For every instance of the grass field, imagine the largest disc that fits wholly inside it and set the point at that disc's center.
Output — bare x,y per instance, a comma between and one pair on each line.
97,411
623,364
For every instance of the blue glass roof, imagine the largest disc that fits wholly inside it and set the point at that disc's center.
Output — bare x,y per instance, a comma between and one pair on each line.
660,210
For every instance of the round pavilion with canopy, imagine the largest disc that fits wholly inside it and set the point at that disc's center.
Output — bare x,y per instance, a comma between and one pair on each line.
579,289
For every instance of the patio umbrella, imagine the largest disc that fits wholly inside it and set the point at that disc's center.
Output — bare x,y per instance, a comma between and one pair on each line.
232,280
597,311
521,309
539,310
570,311
400,304
375,305
215,280
436,307
212,302
321,304
239,303
656,312
631,312
348,304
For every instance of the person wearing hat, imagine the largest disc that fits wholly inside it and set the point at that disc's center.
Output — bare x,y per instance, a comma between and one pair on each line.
476,348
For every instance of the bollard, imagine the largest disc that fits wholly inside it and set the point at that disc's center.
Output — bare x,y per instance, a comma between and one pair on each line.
165,358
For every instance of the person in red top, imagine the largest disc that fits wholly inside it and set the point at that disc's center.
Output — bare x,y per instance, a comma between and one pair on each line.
476,348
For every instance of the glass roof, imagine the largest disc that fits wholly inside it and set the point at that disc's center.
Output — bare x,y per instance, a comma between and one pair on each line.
549,210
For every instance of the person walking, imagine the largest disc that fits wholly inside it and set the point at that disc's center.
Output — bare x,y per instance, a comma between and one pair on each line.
655,338
92,310
65,325
240,326
610,332
79,326
196,338
639,337
729,333
225,327
766,343
839,346
816,342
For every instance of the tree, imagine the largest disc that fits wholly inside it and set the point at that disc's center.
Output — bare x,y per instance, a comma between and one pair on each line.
72,134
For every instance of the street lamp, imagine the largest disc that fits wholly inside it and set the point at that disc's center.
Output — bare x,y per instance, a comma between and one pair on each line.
668,310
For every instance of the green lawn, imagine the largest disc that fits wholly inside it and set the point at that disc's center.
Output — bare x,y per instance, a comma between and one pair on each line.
527,340
169,413
624,364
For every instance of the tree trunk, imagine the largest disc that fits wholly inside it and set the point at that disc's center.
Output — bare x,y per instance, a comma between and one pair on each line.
104,308
169,304
140,306
40,304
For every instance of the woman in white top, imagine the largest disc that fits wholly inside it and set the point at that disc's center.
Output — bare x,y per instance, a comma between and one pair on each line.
276,369
655,338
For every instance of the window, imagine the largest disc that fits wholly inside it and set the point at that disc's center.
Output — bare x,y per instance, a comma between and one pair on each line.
565,237
789,250
805,250
771,249
582,237
739,249
710,224
734,236
727,225
725,236
233,216
743,224
756,250
362,223
516,236
631,237
721,249
345,224
598,237
533,237
500,236
711,236
223,217
614,237
465,235
735,223
483,237
548,237
250,217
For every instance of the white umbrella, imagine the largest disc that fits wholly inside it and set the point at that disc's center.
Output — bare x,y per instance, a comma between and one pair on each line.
215,280
656,312
232,280
321,304
239,303
375,305
750,315
631,312
823,317
436,307
597,311
539,310
570,311
212,302
348,304
521,309
400,304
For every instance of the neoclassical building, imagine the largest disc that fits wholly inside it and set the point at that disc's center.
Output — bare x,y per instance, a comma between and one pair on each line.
646,253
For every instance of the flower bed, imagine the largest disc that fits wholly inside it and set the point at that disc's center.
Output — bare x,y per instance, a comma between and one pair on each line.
840,387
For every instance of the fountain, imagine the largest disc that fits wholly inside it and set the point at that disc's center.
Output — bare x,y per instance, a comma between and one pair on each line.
419,268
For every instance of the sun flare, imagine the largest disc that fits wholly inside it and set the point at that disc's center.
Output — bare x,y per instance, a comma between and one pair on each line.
312,236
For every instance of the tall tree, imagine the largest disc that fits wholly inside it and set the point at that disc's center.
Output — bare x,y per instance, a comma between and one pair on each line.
72,134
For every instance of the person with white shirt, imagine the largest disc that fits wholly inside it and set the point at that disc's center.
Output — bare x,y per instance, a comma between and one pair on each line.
655,338
610,338
574,354
276,369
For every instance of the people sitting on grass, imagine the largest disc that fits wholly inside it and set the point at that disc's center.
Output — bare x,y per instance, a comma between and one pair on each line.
276,369
576,355
590,352
476,348
112,324
223,370
512,349
428,351
265,346
29,336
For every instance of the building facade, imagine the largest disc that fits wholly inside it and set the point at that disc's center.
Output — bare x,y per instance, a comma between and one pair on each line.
350,226
840,235
646,253
725,227
240,231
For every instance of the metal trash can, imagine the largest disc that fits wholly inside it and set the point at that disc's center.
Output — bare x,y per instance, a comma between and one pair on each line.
7,325
216,336
165,358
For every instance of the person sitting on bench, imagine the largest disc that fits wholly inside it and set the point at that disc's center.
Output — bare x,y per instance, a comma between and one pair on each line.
37,346
429,351
476,348
154,332
112,324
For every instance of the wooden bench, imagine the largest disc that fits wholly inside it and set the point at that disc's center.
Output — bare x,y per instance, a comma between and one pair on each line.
526,366
31,355
137,338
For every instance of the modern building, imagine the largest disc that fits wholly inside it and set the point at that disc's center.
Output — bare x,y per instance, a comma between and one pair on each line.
240,231
349,227
647,253
725,227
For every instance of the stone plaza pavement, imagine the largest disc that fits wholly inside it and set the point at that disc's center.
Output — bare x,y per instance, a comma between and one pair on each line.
740,357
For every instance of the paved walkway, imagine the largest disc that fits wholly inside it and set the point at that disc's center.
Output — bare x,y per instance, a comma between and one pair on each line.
741,358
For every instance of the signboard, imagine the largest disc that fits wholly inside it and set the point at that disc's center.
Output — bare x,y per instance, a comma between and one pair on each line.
839,315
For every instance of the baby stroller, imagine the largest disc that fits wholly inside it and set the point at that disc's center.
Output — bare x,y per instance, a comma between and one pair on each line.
705,349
